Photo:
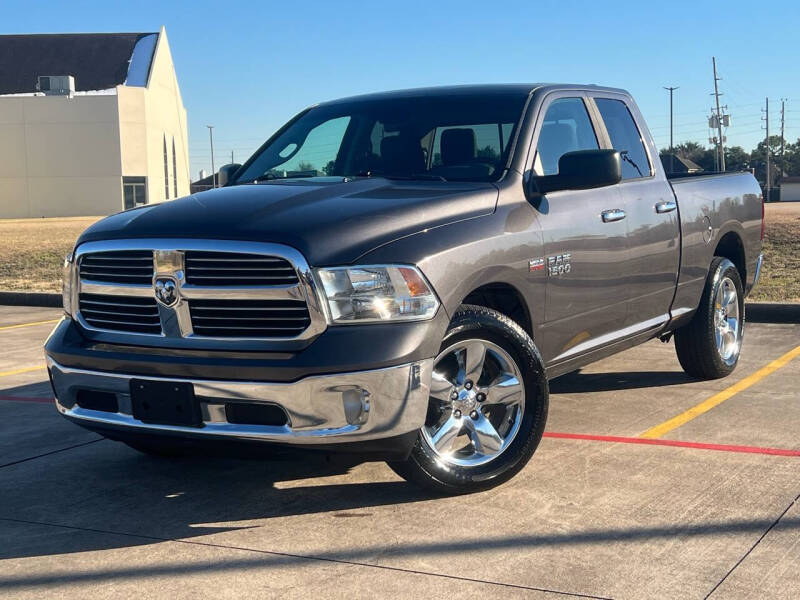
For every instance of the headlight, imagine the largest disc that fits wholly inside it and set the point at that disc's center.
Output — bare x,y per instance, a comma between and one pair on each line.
66,283
377,294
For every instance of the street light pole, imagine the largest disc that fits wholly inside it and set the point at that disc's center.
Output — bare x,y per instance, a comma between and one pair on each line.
671,146
213,171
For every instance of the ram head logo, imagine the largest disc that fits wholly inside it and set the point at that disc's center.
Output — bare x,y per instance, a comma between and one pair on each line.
166,291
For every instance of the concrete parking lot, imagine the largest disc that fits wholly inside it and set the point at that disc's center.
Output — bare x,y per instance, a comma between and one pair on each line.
706,504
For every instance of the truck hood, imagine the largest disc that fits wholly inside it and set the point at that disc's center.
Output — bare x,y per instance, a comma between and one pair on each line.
330,220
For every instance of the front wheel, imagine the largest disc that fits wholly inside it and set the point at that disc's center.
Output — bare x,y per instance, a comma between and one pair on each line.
708,346
487,409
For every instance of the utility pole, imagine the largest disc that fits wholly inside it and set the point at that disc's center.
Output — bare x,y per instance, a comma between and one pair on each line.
783,142
671,145
721,146
766,144
232,161
213,171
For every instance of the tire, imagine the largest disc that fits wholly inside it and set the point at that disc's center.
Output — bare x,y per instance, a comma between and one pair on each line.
516,413
701,349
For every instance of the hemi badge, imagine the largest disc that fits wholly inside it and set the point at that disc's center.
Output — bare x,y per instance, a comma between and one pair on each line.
536,264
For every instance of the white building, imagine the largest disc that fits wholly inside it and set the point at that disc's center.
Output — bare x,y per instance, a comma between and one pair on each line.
90,124
790,189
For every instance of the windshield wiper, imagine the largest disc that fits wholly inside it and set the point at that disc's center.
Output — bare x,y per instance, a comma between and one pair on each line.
273,177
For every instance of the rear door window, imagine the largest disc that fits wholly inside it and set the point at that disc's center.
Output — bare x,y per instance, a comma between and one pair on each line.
566,128
625,137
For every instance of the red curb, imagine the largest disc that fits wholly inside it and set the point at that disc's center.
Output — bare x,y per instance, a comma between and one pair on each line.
673,443
21,399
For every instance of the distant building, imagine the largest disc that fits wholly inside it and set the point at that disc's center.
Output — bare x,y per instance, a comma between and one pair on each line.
677,164
790,189
206,182
90,124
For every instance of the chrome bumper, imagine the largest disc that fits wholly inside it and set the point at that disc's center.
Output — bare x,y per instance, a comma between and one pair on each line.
344,407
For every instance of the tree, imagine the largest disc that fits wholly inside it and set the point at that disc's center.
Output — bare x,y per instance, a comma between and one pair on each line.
736,159
792,166
703,157
758,160
487,152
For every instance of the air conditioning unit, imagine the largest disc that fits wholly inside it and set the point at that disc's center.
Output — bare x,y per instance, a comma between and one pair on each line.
56,85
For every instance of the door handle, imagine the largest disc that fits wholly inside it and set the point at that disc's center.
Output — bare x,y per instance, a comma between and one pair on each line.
615,214
665,207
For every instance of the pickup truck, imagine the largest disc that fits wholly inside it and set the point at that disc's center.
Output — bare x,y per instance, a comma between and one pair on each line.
400,275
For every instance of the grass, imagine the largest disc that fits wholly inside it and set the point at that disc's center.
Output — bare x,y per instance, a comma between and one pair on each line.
780,275
32,252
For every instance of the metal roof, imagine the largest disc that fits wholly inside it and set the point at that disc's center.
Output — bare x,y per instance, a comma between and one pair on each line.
97,61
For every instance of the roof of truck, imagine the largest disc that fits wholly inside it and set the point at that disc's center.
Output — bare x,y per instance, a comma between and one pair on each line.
474,89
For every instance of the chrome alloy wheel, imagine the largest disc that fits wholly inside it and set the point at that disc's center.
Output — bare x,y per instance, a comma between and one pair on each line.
727,325
476,404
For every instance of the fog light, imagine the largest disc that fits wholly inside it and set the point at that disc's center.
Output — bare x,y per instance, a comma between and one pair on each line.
356,406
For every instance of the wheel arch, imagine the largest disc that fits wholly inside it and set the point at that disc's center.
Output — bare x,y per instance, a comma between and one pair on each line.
504,298
731,246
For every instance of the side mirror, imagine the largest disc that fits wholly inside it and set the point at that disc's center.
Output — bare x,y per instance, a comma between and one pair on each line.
226,173
581,170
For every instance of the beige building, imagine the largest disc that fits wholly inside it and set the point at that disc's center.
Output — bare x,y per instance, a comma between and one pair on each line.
90,124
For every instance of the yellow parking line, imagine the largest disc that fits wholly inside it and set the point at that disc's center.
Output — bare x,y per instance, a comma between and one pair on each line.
29,324
20,371
719,398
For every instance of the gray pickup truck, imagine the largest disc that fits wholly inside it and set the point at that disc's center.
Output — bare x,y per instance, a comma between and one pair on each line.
400,275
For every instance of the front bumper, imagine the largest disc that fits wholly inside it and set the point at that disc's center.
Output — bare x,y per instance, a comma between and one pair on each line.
322,409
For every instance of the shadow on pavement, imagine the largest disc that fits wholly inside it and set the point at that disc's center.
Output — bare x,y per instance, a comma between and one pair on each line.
578,382
40,389
106,486
361,554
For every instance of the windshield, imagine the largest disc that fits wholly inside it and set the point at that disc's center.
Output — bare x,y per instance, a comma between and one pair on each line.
454,137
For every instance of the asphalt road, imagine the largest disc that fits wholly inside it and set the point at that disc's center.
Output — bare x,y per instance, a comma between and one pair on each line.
708,503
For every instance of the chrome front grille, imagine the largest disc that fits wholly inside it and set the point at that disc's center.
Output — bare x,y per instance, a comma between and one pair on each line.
249,318
121,313
237,269
132,266
185,290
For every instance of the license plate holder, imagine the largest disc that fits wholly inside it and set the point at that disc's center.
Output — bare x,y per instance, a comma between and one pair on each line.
165,403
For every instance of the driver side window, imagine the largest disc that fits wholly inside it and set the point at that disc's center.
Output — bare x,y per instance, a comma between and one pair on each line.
566,127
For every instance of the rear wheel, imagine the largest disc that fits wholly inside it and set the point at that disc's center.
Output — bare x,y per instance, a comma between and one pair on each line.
487,409
708,346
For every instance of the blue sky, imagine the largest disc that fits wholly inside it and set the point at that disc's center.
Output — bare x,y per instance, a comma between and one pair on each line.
247,67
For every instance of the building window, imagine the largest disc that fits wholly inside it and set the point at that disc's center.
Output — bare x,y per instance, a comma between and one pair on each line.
174,168
166,170
134,191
